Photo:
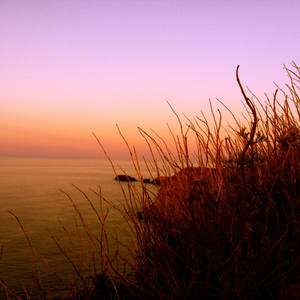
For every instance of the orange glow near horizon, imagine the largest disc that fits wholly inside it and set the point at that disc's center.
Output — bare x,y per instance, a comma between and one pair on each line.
70,70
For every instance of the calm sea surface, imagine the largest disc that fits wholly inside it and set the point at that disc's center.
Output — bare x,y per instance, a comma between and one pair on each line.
30,188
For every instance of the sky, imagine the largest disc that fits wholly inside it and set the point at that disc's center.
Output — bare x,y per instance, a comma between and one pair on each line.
69,68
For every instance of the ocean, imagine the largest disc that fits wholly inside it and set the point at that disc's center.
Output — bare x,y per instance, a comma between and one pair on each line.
32,188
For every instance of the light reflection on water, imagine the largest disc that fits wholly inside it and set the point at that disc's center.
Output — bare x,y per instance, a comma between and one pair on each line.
30,188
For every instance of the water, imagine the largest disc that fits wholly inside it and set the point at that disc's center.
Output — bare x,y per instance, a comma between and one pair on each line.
30,188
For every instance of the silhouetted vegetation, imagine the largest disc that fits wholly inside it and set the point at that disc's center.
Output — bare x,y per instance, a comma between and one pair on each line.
224,223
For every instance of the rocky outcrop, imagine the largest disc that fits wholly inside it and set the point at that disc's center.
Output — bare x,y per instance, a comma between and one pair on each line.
178,188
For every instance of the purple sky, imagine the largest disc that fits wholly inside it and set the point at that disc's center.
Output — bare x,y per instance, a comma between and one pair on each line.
68,68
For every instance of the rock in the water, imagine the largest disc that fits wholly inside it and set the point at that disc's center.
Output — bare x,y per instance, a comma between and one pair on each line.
147,180
160,179
125,178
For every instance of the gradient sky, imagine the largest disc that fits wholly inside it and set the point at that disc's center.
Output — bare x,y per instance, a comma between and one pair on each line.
69,68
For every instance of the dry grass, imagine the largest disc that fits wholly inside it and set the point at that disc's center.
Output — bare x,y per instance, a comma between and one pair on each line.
226,224
225,221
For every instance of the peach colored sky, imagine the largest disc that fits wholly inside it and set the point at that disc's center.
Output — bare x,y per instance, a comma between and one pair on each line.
69,68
